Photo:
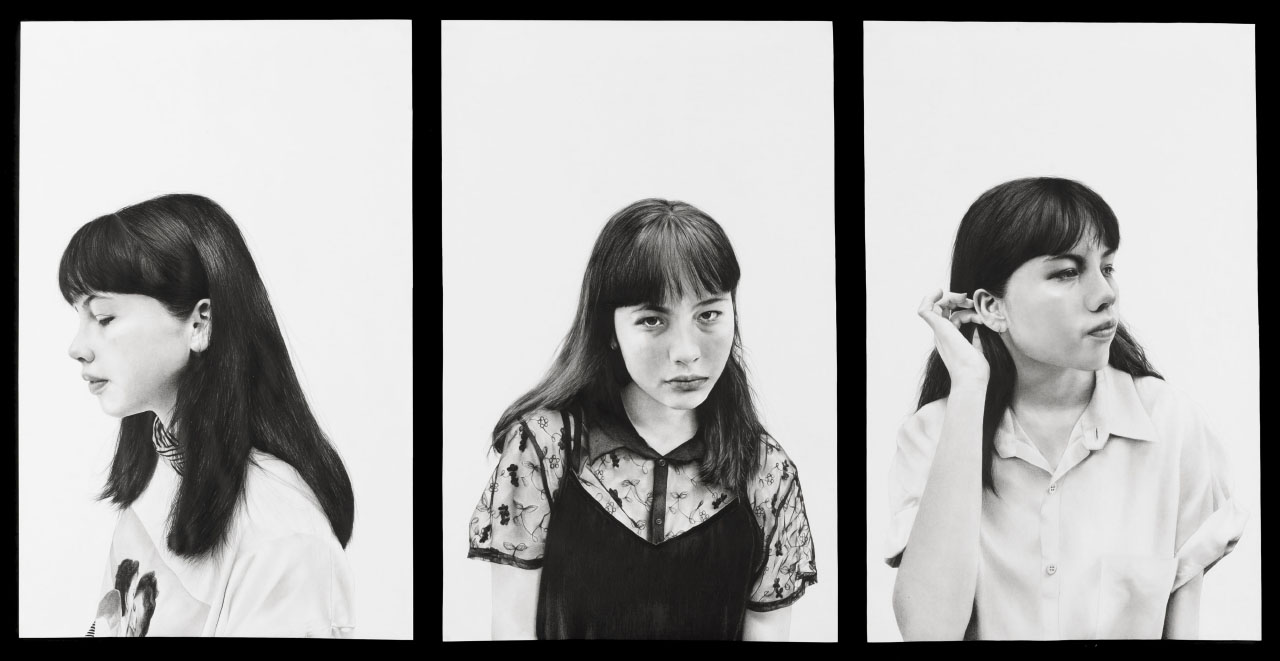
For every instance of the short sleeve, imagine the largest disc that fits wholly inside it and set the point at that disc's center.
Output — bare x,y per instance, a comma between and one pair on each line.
778,503
917,440
294,586
509,524
1210,517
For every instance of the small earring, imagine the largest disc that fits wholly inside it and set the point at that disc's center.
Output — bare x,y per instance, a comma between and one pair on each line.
613,344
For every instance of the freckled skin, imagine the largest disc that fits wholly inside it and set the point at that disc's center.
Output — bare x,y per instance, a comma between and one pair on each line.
692,339
141,352
1048,318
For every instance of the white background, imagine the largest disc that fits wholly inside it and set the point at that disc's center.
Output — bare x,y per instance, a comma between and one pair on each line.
302,132
1159,120
548,129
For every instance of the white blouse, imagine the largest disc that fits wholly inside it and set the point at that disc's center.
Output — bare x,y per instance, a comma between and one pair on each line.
1139,505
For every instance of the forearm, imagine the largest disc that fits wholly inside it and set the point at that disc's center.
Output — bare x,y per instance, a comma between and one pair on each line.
937,578
772,625
515,602
1182,619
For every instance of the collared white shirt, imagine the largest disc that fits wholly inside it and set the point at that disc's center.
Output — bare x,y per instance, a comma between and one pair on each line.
1139,504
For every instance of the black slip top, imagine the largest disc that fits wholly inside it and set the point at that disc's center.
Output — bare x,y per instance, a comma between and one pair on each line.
641,548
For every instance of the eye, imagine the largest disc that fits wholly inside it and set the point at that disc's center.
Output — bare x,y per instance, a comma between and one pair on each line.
1109,269
717,314
644,322
103,321
1062,275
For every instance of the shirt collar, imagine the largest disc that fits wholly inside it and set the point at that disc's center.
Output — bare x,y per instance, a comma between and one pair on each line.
1114,410
166,444
610,431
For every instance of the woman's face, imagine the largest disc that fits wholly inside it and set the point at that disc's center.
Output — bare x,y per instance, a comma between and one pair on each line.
663,345
136,346
1052,303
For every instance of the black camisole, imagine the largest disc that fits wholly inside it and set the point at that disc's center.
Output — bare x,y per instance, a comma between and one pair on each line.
600,580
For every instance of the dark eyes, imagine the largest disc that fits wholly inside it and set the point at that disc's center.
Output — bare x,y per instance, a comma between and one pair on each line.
645,322
103,321
1071,273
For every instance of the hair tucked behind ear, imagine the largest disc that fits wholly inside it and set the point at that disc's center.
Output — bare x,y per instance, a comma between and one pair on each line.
1006,226
239,394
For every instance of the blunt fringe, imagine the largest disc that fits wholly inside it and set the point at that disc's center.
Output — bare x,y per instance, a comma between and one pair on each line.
1006,226
241,393
653,251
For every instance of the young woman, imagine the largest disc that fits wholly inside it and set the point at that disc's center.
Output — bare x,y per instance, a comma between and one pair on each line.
638,495
235,508
1050,485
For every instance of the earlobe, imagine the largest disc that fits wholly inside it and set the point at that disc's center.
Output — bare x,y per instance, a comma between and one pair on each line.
990,309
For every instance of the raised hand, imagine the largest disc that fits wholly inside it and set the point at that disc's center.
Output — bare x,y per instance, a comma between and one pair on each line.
946,313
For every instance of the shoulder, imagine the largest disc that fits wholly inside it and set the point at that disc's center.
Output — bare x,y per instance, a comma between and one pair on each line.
924,426
278,503
776,472
1169,406
772,454
543,422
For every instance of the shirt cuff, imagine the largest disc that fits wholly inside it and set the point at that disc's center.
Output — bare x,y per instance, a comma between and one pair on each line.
494,555
899,531
763,607
1215,538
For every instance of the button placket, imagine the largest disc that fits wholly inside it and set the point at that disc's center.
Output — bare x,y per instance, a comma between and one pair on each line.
659,502
1050,558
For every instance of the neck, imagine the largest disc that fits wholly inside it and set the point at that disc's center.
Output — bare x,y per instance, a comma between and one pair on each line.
165,414
1041,387
648,415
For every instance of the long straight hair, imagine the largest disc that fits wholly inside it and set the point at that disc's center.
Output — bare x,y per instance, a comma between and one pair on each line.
1008,225
651,252
241,393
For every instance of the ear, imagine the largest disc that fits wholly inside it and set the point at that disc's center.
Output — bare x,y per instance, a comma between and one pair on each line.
991,310
201,325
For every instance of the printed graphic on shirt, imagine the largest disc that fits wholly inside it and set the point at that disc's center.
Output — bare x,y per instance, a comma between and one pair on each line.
144,597
126,609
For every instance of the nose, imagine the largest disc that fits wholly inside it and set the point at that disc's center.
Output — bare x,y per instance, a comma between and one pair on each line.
79,349
684,344
1103,294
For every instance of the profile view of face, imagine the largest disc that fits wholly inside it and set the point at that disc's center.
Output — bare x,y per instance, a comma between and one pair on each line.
1052,303
675,352
131,351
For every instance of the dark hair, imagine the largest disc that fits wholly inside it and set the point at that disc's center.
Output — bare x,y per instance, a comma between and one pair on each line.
148,590
1008,225
650,252
239,394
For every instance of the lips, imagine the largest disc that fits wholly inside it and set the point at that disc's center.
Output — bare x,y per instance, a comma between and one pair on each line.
1104,328
687,379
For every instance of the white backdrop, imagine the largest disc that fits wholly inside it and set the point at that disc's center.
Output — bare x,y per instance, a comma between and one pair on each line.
1159,120
548,129
302,132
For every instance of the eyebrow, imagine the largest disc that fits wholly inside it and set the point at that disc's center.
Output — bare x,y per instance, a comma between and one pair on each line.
89,299
663,310
1079,261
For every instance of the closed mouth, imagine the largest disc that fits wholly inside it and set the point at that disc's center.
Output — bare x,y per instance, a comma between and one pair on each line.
688,379
1104,329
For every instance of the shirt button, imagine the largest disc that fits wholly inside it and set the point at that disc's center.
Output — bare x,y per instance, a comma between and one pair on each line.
1053,488
662,462
658,521
1051,570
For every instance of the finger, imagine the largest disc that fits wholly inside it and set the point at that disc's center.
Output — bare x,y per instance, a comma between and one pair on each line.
957,299
961,317
927,303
